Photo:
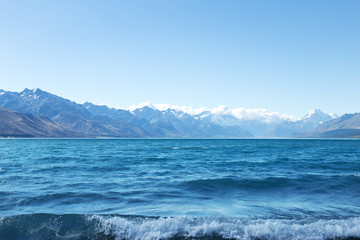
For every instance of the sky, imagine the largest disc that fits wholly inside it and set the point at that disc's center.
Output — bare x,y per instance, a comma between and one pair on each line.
285,56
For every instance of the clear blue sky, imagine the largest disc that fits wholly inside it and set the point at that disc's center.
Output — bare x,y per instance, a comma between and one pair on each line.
286,56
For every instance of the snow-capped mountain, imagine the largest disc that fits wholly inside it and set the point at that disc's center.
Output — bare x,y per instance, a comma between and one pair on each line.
159,120
310,121
174,122
316,116
221,113
259,122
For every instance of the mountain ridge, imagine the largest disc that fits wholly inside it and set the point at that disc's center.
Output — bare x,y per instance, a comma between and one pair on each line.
70,115
162,120
345,126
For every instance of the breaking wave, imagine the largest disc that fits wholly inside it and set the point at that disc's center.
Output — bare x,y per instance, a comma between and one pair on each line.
116,227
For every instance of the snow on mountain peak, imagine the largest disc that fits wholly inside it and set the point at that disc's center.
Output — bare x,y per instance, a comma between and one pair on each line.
160,107
334,115
317,113
313,112
222,110
262,115
37,90
318,116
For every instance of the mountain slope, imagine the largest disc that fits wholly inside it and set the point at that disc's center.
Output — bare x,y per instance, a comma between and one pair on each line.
346,126
15,124
70,115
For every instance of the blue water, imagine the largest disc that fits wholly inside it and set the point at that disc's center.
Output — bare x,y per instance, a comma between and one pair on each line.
179,189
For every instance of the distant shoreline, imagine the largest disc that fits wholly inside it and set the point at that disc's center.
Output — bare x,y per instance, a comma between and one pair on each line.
150,138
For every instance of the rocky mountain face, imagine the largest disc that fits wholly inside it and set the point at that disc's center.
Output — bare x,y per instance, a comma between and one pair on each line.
15,124
90,120
70,115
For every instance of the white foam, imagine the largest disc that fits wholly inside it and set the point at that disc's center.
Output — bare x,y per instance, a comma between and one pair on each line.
168,227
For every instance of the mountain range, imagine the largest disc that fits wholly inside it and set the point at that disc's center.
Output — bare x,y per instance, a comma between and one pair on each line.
37,113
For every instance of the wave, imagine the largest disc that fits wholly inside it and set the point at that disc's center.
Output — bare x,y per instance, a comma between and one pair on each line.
116,227
308,183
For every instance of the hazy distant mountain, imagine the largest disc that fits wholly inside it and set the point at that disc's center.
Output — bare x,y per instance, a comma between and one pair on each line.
346,126
267,124
117,114
230,123
70,115
124,116
256,126
178,123
15,124
219,121
290,128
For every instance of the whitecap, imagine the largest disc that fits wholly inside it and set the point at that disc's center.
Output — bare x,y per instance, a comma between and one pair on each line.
232,228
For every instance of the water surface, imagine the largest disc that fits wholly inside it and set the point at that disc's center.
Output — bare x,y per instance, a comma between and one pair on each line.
185,188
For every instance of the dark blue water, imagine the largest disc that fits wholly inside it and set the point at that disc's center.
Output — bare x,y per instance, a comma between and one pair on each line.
179,189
